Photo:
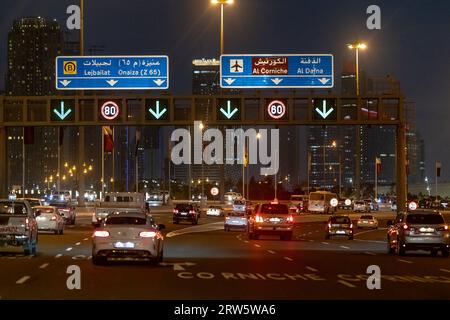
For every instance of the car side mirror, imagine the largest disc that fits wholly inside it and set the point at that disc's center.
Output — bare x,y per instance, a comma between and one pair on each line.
390,223
161,226
37,213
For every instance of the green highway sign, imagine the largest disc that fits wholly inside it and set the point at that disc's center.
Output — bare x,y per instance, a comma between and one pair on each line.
157,109
228,109
62,110
325,109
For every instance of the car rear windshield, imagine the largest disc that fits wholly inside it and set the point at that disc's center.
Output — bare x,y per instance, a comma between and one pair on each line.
274,209
425,219
125,220
184,207
366,217
7,207
340,220
236,214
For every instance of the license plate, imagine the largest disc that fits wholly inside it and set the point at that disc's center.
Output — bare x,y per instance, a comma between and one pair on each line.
183,213
8,229
426,230
340,232
124,245
274,220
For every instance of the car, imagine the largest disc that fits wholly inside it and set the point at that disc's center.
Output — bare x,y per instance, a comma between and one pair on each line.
235,220
239,206
128,236
271,219
361,206
49,219
418,230
367,221
67,211
345,204
186,212
298,203
34,202
339,225
215,211
372,204
18,226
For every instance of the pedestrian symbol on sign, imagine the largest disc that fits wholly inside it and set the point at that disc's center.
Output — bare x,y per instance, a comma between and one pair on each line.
236,65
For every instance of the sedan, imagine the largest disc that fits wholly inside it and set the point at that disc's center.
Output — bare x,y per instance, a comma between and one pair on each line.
215,211
339,226
126,236
367,221
49,219
236,220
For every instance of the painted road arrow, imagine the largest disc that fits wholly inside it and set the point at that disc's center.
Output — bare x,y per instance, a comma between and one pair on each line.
157,113
324,113
112,82
229,81
177,266
62,114
65,83
229,113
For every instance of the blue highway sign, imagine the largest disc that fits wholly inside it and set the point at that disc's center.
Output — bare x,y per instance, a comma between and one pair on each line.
277,71
112,73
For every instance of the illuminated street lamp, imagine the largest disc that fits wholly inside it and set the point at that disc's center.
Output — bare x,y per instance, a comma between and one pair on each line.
222,4
357,46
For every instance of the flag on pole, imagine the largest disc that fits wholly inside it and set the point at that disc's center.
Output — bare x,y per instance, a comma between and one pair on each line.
438,168
108,139
138,140
378,165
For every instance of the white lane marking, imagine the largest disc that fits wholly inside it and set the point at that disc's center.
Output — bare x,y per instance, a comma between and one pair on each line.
85,239
270,251
78,243
345,283
201,228
344,247
59,255
45,265
246,241
325,242
370,253
311,269
288,259
257,245
69,249
369,231
405,261
373,241
445,270
23,280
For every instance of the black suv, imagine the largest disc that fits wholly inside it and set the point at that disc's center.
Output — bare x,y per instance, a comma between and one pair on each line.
187,212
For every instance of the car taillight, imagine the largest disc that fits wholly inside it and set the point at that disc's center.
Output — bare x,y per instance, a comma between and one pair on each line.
329,226
290,219
175,211
27,221
227,218
53,218
191,211
405,227
444,228
147,234
259,219
351,225
101,234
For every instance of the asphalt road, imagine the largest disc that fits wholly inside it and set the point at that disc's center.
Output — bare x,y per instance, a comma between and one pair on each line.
205,262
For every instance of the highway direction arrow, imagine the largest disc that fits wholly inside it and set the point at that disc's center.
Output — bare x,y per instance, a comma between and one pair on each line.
112,72
229,113
157,113
62,113
62,110
325,112
277,71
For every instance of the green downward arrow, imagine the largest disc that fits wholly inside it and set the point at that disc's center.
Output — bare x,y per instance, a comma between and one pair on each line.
62,113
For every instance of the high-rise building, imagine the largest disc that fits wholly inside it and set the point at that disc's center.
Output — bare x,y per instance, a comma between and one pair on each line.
33,44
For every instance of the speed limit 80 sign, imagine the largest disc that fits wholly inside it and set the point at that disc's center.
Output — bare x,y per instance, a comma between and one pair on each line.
109,110
276,109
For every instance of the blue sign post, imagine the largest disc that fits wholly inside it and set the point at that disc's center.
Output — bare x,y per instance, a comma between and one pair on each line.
112,73
313,71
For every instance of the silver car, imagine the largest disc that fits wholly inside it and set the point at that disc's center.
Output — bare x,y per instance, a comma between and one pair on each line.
367,221
419,230
49,219
235,220
128,236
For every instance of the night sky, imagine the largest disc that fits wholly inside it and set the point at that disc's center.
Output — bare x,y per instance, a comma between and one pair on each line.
413,44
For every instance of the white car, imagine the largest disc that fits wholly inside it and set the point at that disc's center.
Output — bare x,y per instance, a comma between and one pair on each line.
239,206
367,221
128,236
49,219
360,206
215,211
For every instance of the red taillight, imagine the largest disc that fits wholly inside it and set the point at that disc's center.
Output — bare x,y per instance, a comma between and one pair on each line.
405,227
351,225
329,226
27,221
290,219
444,228
259,219
191,211
175,211
101,234
53,218
147,234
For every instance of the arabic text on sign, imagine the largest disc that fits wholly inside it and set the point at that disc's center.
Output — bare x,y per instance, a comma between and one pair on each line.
270,66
